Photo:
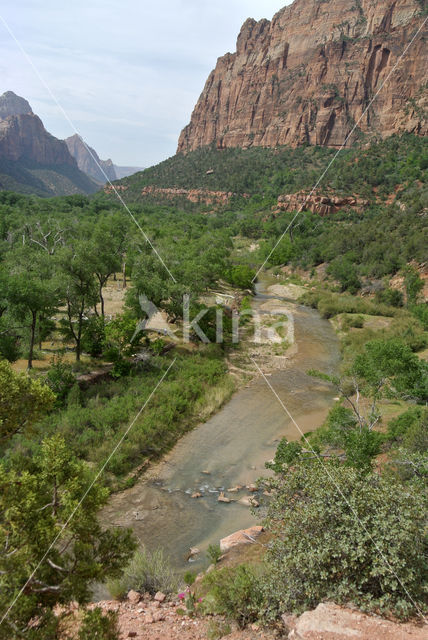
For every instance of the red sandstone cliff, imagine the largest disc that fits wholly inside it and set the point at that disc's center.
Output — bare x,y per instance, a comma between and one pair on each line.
318,203
308,75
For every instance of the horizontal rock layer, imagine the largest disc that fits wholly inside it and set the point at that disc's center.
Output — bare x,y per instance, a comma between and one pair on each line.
198,196
309,75
318,203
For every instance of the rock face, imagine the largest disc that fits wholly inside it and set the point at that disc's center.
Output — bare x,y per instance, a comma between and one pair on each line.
31,159
199,196
308,76
89,162
245,536
330,622
13,105
23,136
318,203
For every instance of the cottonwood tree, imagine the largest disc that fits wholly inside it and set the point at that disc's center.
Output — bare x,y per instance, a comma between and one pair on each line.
79,288
108,242
33,291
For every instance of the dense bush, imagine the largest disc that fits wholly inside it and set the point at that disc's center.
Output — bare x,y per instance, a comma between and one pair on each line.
92,424
331,304
390,297
410,429
97,625
60,378
147,572
237,593
344,537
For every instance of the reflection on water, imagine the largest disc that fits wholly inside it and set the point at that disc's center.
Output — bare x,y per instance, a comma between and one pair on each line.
229,449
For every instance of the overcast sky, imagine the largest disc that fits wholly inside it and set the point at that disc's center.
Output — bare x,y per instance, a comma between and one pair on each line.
127,72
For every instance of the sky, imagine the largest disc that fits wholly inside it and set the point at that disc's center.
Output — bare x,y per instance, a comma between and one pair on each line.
126,72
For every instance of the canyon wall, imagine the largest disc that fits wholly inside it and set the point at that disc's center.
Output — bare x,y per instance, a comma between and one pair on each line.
308,76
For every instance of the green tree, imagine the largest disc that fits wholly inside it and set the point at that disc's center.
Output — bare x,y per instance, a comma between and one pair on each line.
343,269
52,545
79,288
108,240
32,291
22,401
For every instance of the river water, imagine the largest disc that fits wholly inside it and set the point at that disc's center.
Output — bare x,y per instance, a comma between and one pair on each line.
229,449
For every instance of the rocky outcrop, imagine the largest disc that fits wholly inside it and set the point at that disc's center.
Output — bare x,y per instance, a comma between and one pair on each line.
318,203
198,196
245,536
89,162
330,622
308,76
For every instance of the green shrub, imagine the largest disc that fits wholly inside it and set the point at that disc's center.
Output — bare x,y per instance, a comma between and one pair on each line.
345,537
218,629
147,572
74,397
286,453
398,427
97,625
237,593
60,378
241,276
121,368
93,340
189,578
410,430
349,321
9,347
344,270
214,553
331,304
421,313
391,297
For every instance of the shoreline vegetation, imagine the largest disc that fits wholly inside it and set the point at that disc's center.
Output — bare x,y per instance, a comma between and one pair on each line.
62,299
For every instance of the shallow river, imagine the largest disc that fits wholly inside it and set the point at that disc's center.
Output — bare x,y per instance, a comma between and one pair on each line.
232,446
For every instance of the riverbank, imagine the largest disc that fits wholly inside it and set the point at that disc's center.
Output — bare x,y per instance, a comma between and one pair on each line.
146,618
230,449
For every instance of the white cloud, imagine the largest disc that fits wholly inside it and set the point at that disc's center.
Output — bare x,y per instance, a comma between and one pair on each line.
127,72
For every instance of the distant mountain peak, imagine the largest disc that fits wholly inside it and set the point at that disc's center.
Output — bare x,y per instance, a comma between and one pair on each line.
88,160
31,159
13,105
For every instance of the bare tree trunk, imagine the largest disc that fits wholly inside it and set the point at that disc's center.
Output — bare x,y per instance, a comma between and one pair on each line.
124,272
32,338
101,300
